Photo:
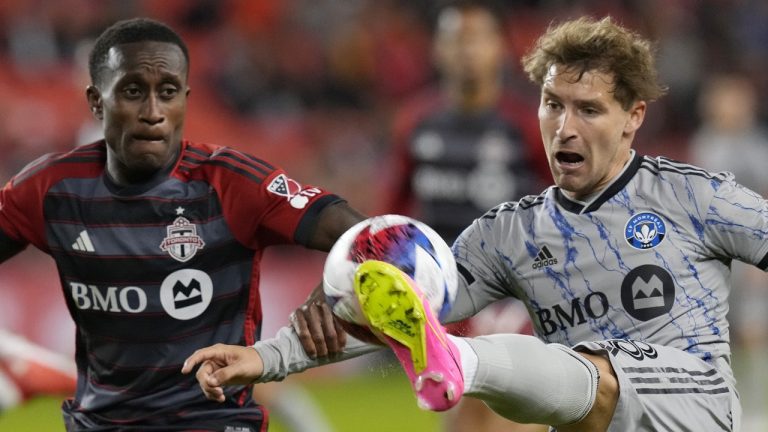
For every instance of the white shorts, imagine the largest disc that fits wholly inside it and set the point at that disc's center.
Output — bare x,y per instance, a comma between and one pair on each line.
666,389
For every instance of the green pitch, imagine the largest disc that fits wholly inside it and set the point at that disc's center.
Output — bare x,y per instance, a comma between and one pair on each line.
368,402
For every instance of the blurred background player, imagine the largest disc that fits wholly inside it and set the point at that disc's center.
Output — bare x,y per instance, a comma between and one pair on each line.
465,145
28,370
732,137
173,208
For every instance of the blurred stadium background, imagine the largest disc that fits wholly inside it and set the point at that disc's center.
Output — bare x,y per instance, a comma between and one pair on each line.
312,85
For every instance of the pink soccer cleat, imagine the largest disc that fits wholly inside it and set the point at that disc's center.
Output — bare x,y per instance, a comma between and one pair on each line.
399,314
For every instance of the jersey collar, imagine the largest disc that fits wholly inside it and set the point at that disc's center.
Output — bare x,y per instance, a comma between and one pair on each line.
596,201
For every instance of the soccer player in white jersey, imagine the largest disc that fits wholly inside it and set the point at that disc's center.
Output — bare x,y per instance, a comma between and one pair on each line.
623,264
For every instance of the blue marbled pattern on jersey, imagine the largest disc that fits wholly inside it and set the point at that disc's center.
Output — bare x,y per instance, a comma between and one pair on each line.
582,280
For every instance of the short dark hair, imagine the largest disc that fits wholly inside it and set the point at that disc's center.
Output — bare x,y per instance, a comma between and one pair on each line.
129,31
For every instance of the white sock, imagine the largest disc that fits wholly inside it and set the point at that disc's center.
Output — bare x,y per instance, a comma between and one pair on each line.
525,380
468,360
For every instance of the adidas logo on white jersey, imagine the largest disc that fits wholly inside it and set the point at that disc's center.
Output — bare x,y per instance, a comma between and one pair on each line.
83,242
544,258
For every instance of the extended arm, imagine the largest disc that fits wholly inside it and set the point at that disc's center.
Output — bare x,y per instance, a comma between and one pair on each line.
283,355
268,360
316,332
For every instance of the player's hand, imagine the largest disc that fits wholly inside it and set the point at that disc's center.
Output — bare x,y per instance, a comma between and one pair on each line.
319,332
222,365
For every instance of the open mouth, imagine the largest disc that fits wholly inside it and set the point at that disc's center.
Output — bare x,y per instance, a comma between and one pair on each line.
569,159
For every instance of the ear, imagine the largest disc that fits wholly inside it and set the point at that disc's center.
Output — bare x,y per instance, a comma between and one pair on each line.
636,117
93,94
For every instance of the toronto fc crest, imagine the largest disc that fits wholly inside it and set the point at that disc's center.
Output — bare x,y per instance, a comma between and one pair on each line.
182,241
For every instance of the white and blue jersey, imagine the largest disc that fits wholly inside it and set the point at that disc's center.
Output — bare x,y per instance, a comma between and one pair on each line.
646,259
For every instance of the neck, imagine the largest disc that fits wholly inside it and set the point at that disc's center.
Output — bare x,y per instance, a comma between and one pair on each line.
123,175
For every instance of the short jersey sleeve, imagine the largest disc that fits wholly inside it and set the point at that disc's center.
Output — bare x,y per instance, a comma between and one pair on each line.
483,275
293,208
262,204
21,209
737,224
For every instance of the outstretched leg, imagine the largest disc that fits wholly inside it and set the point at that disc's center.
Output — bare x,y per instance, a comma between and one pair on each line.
519,377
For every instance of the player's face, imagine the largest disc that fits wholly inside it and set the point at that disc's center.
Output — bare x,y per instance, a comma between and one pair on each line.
141,99
468,46
587,134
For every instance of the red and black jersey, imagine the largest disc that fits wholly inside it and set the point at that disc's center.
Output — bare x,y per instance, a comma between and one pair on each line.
452,166
151,273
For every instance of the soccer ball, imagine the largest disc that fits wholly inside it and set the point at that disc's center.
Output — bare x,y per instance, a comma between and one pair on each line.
406,243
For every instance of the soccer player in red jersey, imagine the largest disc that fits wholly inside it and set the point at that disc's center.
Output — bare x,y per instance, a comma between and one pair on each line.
157,240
